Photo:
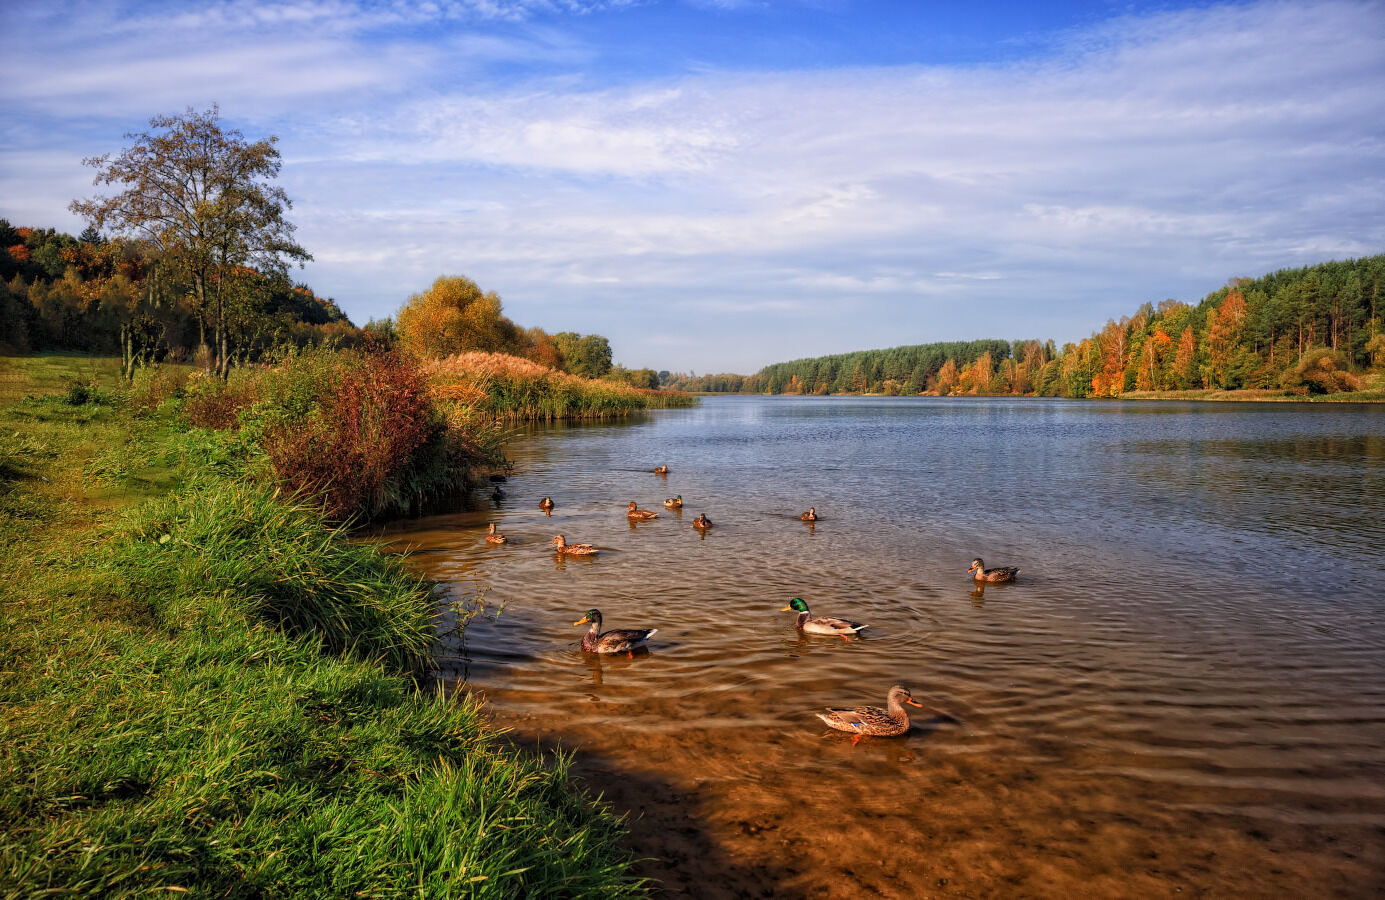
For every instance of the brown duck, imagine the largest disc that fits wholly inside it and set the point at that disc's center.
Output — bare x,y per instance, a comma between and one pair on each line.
998,574
560,545
493,536
636,513
888,722
810,516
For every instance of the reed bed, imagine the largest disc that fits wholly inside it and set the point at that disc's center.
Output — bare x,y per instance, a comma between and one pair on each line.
209,690
513,389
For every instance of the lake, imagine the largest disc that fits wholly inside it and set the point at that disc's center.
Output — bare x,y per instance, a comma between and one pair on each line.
1183,692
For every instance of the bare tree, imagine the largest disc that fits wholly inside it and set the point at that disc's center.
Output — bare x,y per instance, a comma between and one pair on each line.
205,197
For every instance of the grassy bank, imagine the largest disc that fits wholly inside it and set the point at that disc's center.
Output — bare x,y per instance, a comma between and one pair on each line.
1372,391
509,388
205,688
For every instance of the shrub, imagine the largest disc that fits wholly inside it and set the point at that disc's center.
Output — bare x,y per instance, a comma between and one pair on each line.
213,403
1320,371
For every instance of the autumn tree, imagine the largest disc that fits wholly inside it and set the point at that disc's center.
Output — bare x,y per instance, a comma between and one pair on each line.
205,197
455,316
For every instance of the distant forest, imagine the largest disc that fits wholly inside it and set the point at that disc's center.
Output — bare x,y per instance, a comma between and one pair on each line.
1304,330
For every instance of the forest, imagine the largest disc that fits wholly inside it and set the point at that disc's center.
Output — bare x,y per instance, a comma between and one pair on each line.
1314,329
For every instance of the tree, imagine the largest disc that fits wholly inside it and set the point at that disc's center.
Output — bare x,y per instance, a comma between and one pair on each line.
454,316
584,354
205,197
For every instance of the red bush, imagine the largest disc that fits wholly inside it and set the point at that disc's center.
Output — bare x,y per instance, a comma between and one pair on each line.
364,430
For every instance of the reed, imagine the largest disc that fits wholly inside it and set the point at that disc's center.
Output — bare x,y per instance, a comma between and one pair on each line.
509,388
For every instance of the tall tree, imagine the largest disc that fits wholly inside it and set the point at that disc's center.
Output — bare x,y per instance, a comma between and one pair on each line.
206,198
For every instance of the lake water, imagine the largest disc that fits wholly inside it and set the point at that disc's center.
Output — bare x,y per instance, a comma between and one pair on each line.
1184,692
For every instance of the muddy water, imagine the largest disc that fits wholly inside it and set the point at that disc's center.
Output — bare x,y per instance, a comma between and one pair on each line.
1183,694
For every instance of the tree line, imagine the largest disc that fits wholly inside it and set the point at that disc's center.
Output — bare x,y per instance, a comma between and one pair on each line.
1310,329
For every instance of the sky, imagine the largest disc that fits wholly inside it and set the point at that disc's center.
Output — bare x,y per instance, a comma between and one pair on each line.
716,185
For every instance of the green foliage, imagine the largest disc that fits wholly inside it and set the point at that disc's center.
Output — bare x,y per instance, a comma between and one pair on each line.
867,371
588,355
211,693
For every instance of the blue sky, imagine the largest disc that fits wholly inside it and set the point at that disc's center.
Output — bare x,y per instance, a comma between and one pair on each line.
720,185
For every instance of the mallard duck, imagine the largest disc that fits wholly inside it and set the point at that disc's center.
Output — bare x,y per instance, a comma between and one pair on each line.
674,502
893,720
493,536
702,522
999,573
560,545
623,640
810,516
821,624
546,503
661,470
635,513
497,495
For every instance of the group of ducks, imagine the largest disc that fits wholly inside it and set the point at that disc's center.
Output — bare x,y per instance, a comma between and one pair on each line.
891,721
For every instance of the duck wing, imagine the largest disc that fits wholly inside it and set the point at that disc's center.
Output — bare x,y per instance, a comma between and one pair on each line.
831,625
622,639
862,720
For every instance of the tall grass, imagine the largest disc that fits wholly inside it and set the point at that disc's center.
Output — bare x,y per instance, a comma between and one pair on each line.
208,692
509,388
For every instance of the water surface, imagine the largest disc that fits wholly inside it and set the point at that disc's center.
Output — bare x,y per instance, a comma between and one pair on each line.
1185,691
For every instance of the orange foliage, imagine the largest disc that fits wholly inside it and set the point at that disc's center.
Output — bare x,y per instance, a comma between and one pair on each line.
20,252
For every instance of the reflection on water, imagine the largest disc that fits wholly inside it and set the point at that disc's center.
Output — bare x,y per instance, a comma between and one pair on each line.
1185,689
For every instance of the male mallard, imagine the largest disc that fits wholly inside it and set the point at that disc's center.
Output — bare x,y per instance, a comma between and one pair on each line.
872,719
821,624
635,513
674,502
999,573
623,640
493,536
702,522
661,470
560,545
546,503
497,495
810,516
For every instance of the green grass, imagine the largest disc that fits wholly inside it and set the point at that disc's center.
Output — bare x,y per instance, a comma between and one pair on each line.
205,688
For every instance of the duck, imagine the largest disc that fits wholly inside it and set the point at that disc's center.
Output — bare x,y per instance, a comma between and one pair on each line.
546,503
497,495
624,640
810,516
821,624
674,502
636,513
560,545
702,522
661,470
998,574
493,536
888,722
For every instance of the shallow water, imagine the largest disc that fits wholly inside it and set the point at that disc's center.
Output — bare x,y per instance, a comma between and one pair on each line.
1185,691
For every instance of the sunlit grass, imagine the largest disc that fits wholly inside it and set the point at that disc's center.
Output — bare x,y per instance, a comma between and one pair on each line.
204,688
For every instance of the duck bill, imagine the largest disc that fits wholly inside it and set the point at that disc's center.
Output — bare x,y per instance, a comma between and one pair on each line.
912,702
787,609
582,621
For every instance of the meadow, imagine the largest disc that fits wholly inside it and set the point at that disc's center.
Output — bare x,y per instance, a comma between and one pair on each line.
208,688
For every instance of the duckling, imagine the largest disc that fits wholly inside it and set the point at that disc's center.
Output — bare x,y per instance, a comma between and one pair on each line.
998,574
635,513
560,545
674,502
661,470
702,523
821,624
810,516
889,722
546,503
624,640
493,536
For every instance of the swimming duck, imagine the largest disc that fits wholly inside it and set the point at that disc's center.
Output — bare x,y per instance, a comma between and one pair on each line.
893,720
810,516
998,574
674,502
493,536
635,513
821,624
546,503
661,470
623,640
497,495
560,545
702,522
